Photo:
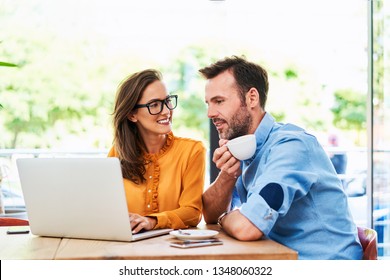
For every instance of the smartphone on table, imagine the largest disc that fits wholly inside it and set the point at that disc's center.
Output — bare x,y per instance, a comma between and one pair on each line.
18,230
195,243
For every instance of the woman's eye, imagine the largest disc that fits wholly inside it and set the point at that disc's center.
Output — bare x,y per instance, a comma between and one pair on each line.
153,105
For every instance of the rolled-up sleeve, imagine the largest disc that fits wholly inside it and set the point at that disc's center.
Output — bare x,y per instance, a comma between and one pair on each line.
282,174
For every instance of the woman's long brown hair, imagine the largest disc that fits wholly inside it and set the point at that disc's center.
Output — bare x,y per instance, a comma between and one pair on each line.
128,143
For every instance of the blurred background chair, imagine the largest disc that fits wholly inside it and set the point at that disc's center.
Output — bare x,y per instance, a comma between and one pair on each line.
368,239
9,221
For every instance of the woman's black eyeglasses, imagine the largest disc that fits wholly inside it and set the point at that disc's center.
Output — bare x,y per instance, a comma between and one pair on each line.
155,107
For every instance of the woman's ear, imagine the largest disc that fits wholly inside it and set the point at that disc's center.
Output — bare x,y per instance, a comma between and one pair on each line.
131,117
253,97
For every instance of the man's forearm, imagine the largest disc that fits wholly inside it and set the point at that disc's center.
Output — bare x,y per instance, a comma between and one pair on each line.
238,226
217,198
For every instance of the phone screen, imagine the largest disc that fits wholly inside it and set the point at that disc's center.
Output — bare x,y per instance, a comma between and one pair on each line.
18,230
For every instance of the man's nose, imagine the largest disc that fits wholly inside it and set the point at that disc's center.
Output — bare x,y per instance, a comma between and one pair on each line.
211,112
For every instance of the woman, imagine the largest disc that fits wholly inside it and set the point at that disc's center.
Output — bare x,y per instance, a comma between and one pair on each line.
163,174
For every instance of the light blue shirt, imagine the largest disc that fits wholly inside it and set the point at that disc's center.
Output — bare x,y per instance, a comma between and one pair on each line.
290,191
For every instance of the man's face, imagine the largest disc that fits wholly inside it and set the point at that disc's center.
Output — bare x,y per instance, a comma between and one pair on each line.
230,117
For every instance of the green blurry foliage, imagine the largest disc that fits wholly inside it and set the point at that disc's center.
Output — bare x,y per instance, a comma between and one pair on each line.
349,111
62,93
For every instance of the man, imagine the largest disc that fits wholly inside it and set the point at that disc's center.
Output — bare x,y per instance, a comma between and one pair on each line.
288,191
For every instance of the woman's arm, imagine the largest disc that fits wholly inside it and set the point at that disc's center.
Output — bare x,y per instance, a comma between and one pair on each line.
189,212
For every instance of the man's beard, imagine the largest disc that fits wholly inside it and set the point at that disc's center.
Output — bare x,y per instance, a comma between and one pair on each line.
238,125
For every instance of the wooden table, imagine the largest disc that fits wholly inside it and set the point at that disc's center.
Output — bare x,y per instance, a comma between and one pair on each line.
28,246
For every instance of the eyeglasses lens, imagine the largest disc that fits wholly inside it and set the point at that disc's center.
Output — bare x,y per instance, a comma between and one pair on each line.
156,107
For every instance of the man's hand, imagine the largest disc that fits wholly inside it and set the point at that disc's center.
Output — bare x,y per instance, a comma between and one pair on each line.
225,161
217,198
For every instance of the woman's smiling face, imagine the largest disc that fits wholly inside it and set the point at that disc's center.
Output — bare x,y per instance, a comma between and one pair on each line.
148,124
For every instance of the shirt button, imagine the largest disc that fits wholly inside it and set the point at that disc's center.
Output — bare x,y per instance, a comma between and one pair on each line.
148,205
150,177
149,190
269,216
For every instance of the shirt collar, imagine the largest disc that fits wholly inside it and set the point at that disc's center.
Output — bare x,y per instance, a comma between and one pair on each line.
262,132
167,146
264,129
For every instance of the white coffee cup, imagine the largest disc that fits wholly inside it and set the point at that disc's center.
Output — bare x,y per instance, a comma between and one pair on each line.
243,147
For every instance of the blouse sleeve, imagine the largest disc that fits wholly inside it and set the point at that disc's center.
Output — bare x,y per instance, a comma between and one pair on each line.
111,152
189,212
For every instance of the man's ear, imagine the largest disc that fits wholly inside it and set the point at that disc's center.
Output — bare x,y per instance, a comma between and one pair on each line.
253,98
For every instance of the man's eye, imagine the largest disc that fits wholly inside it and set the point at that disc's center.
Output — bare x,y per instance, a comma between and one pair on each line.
219,101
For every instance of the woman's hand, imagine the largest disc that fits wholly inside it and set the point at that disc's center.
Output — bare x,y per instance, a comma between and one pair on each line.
139,222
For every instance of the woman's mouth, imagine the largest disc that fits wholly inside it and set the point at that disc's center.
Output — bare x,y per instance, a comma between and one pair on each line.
164,121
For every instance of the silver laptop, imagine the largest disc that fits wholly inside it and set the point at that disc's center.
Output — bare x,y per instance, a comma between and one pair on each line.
77,198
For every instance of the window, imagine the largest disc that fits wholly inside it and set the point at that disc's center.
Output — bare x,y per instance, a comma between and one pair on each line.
380,114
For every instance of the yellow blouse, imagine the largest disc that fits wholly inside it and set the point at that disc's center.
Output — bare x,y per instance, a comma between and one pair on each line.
174,184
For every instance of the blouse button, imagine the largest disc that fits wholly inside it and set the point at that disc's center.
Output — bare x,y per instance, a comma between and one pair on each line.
150,177
149,190
148,205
